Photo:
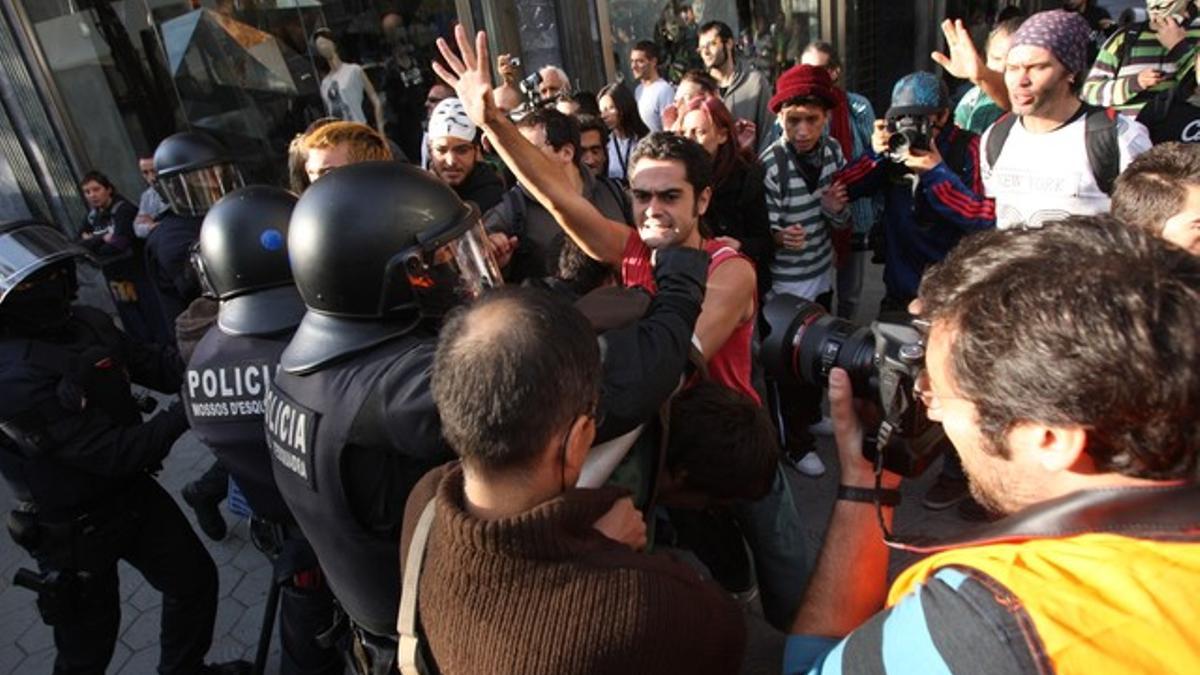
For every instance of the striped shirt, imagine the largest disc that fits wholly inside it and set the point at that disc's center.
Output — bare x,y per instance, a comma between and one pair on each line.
808,272
959,621
1112,82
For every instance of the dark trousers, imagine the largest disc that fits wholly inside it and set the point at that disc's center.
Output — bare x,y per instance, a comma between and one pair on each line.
149,532
800,405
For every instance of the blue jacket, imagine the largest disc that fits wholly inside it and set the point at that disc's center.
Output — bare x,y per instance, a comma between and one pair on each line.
922,224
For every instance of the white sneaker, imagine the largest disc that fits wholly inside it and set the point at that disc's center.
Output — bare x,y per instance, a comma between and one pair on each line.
809,465
822,428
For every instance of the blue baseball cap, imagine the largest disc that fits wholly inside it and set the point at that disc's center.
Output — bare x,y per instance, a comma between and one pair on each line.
918,93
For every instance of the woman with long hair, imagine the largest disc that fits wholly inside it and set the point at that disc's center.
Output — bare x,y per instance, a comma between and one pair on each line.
618,109
737,212
107,231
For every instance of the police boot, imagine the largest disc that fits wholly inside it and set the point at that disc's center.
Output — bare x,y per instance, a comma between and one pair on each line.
227,668
204,496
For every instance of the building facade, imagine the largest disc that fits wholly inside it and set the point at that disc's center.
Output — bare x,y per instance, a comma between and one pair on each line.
95,84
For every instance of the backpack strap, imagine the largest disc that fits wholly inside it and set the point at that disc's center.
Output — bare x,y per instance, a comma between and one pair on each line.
1103,153
956,154
412,654
997,136
780,159
1128,39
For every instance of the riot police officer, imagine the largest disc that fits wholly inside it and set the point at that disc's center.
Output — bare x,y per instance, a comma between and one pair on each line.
79,457
380,251
242,261
194,171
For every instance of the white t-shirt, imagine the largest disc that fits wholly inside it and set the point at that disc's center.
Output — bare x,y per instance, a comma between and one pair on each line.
652,99
342,90
1044,177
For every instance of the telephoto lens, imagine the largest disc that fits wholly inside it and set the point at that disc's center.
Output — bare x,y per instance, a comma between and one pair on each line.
802,343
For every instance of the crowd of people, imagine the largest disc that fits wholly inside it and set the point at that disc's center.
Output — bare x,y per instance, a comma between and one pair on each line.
506,407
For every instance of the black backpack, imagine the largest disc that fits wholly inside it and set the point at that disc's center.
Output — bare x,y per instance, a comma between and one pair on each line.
1103,153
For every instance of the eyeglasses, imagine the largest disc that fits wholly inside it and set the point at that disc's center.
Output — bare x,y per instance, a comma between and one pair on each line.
924,391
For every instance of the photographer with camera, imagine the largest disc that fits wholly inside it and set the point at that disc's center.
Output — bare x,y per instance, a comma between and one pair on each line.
1035,360
928,172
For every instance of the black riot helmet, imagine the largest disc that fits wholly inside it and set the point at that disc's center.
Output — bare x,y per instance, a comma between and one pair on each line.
194,171
375,247
37,276
242,261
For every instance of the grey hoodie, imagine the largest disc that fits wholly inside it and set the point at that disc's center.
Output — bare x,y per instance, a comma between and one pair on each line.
747,97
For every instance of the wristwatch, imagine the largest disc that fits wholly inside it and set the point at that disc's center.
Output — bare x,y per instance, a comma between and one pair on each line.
886,497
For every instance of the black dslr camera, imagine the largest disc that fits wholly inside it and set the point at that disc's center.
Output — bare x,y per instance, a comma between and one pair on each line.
804,343
529,87
908,132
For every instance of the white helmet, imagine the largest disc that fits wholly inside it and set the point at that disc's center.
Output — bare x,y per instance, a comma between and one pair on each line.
449,118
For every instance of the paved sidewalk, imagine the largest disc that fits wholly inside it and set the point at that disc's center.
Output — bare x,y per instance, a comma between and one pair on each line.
26,645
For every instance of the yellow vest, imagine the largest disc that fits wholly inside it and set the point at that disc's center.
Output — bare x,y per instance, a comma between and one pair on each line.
1100,603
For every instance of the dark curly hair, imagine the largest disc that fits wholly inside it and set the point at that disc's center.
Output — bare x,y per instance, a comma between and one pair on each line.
1085,322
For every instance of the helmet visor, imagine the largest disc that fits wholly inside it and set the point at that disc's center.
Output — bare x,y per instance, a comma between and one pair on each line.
456,272
28,249
192,193
206,286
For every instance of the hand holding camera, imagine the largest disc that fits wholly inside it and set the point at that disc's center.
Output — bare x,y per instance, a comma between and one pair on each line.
879,137
508,67
921,161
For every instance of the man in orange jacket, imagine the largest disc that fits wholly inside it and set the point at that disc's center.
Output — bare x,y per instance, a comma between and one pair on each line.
1063,365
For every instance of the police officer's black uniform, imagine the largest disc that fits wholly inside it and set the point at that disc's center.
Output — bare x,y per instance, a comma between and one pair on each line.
242,262
377,250
79,458
194,171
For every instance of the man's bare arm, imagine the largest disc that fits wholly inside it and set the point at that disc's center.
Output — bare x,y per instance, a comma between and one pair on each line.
471,78
728,301
849,584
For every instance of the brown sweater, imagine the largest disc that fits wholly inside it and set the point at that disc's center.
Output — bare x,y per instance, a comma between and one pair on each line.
544,592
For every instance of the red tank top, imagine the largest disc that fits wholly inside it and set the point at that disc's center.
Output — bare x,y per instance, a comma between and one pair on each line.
730,366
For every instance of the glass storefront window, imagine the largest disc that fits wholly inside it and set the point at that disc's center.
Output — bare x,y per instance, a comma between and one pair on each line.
672,25
130,72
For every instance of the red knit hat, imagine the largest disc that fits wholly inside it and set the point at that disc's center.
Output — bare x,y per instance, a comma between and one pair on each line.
805,81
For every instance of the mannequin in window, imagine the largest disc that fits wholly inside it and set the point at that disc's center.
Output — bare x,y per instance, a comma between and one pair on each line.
343,87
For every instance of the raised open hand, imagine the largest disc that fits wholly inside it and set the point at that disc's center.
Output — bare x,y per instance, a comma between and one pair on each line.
964,61
470,75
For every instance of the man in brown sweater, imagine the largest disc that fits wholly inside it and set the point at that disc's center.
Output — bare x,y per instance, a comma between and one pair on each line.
523,573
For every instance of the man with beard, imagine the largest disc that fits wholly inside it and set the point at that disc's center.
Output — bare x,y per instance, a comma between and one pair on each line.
1053,156
456,157
743,90
1068,420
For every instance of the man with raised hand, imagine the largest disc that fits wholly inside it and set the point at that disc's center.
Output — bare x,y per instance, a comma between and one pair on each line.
670,179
